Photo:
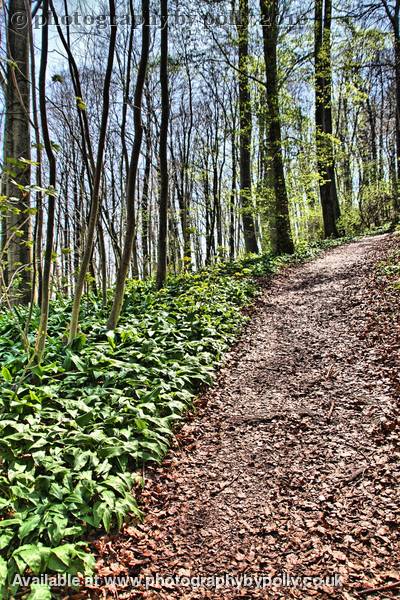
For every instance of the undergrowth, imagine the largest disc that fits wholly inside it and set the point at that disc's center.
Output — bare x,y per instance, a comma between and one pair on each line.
76,430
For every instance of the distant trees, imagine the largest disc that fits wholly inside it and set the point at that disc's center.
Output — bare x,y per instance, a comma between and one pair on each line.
179,147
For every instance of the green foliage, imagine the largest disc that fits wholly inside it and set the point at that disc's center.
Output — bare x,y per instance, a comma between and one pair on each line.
389,270
75,430
350,221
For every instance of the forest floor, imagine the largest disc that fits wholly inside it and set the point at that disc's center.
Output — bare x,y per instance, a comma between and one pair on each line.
289,468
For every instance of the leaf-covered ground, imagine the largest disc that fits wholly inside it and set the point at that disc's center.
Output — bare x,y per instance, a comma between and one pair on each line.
291,463
77,430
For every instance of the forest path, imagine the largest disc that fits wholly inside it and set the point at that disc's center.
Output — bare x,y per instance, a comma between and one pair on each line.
285,468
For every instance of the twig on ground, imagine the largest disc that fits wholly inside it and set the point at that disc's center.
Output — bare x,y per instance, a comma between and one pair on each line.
356,474
382,588
330,371
332,408
216,492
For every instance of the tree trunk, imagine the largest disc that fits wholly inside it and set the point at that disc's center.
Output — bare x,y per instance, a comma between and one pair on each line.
48,257
232,203
269,14
245,124
323,117
163,149
130,232
396,30
18,146
145,205
95,203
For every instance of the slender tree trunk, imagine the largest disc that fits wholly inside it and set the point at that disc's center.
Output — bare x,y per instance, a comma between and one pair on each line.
87,151
145,205
37,275
130,232
232,202
103,262
187,242
46,281
396,30
163,149
209,225
245,124
269,14
95,203
127,89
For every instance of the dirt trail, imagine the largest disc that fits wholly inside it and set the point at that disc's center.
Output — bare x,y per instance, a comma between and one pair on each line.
286,469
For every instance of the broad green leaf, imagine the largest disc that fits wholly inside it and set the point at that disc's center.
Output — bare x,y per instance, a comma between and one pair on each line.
5,538
40,592
7,522
6,374
31,555
28,526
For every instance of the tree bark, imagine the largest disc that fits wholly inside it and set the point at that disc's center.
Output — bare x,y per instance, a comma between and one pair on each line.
323,117
130,232
95,203
145,204
245,124
163,149
46,280
396,31
269,14
18,146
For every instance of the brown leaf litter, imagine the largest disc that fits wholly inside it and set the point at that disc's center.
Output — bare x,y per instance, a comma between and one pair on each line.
291,463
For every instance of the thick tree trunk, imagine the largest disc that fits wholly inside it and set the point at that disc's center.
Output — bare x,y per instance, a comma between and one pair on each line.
269,13
18,146
323,117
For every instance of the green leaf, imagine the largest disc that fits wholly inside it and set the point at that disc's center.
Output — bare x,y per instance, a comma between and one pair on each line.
56,530
80,103
5,538
63,554
6,374
111,339
32,556
4,503
3,572
8,522
39,592
107,519
28,526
